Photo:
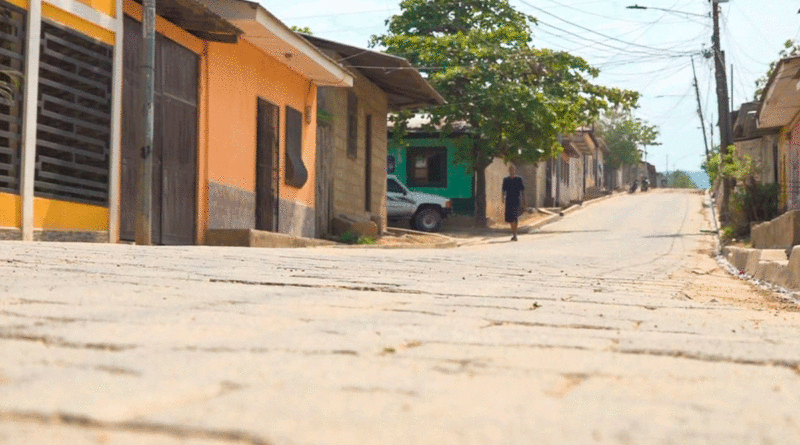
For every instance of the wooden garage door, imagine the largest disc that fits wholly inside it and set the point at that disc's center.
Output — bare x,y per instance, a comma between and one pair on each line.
175,139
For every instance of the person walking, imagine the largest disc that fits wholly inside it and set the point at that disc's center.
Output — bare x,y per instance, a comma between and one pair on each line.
513,198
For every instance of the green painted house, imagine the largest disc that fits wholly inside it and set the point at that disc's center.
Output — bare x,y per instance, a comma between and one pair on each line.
425,163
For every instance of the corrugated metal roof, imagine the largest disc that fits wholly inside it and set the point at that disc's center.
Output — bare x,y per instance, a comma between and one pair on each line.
404,85
780,101
197,19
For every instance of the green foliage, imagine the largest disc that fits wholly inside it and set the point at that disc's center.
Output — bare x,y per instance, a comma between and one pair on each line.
302,30
623,134
728,234
790,48
750,201
515,98
680,180
351,237
711,165
730,165
758,202
366,240
9,84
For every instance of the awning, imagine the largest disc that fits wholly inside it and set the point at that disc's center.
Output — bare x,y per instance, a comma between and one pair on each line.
582,143
269,34
570,150
600,143
197,19
780,101
404,85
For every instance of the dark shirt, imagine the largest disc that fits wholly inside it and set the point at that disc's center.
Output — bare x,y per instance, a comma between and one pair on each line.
513,188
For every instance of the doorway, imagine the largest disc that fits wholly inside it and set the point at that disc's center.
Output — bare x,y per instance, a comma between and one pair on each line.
175,132
267,167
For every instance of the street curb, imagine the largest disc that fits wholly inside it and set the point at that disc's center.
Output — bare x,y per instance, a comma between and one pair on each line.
441,241
762,267
528,228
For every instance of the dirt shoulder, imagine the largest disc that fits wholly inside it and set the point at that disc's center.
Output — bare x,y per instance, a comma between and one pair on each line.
711,283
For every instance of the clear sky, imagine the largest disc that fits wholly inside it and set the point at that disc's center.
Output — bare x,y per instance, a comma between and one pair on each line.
643,50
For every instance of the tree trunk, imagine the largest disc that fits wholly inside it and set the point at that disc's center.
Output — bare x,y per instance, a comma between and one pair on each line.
480,196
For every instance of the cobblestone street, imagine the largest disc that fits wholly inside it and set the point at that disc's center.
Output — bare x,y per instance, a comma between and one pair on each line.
613,325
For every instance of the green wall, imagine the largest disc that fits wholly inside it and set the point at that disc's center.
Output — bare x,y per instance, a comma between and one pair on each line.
459,177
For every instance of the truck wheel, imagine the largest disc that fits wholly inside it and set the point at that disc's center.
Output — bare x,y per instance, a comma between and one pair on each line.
428,220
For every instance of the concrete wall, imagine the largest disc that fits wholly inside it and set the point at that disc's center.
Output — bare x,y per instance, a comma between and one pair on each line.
535,180
761,152
769,265
348,176
782,232
495,172
230,207
576,178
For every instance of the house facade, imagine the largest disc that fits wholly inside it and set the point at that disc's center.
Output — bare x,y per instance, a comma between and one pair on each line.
235,134
761,145
352,135
779,114
59,136
426,163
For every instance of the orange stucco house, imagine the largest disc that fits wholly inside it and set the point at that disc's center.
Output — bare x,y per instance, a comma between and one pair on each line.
235,121
255,102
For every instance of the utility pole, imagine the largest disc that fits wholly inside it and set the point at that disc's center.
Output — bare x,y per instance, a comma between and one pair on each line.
722,102
711,129
731,91
144,179
699,109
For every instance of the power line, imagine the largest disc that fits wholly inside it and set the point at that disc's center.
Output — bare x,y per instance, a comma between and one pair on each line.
592,13
617,48
650,48
340,14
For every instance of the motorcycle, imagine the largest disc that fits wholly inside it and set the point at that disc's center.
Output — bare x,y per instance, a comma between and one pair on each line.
645,185
634,186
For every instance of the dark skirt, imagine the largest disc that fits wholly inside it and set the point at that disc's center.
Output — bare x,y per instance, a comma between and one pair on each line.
512,211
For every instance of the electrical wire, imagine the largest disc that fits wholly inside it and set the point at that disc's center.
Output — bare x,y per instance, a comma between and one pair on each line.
650,48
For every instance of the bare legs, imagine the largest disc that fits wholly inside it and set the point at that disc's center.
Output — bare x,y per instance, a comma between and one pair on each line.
514,226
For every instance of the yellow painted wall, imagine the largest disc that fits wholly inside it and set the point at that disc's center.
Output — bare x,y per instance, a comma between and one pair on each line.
53,13
72,21
53,214
238,75
10,210
20,3
107,7
62,215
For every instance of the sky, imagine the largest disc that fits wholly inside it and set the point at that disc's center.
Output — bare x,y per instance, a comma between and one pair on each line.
645,50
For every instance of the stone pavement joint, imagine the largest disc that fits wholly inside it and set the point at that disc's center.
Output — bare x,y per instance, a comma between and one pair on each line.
54,341
176,431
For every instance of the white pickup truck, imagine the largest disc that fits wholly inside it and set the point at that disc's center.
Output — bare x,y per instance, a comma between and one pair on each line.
424,211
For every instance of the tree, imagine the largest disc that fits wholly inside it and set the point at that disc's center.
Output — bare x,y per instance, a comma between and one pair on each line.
514,98
681,180
623,135
790,48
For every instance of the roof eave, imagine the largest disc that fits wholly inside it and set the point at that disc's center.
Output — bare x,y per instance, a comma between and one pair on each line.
272,36
409,91
773,112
